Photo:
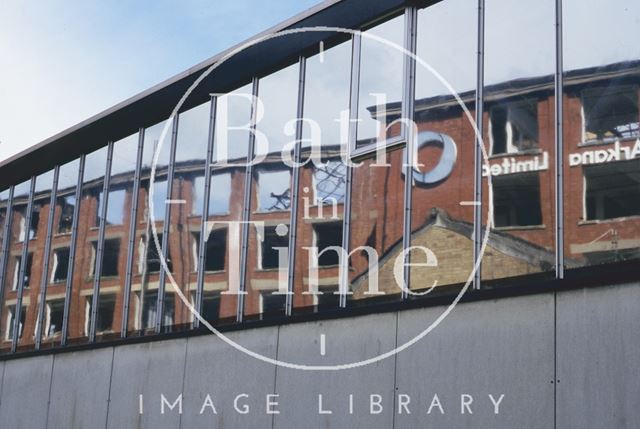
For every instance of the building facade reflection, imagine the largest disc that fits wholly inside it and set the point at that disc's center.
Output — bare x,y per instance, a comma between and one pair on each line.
99,239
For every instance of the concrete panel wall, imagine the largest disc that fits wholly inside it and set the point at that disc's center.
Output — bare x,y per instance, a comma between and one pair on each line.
599,358
491,347
360,339
80,389
25,382
219,371
151,370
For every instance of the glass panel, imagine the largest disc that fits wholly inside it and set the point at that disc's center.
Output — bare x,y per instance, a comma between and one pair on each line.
233,115
322,185
377,208
225,206
114,247
12,267
601,132
146,262
443,178
85,260
59,257
191,150
278,94
519,138
381,66
35,259
219,199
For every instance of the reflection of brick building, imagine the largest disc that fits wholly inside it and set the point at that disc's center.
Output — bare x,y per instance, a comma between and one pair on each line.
519,137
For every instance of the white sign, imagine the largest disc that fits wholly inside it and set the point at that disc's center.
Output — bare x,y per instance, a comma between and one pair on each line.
602,156
512,165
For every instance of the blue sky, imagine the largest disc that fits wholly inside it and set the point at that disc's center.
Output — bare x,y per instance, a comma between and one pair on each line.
63,62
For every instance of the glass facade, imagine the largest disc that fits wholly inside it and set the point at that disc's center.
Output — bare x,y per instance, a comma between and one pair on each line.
346,177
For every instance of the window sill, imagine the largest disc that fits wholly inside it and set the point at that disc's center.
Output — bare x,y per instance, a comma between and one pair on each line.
199,216
519,228
265,212
611,220
210,272
363,152
62,234
606,141
529,152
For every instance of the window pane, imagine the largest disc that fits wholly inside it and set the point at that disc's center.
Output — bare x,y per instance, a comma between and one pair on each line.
85,261
191,151
35,259
233,114
12,267
601,131
271,200
146,266
60,245
381,67
441,226
322,186
377,209
519,138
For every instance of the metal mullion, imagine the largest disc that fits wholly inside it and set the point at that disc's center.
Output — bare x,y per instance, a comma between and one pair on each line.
477,185
23,264
4,252
97,270
343,284
559,144
47,257
133,217
293,223
246,208
411,21
205,210
166,226
72,252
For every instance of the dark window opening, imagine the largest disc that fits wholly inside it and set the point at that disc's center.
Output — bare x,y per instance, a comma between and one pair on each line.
211,306
612,190
153,262
56,314
110,258
106,308
27,271
150,310
61,265
67,205
514,127
11,321
610,112
328,235
516,200
215,250
272,303
35,219
269,247
110,253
